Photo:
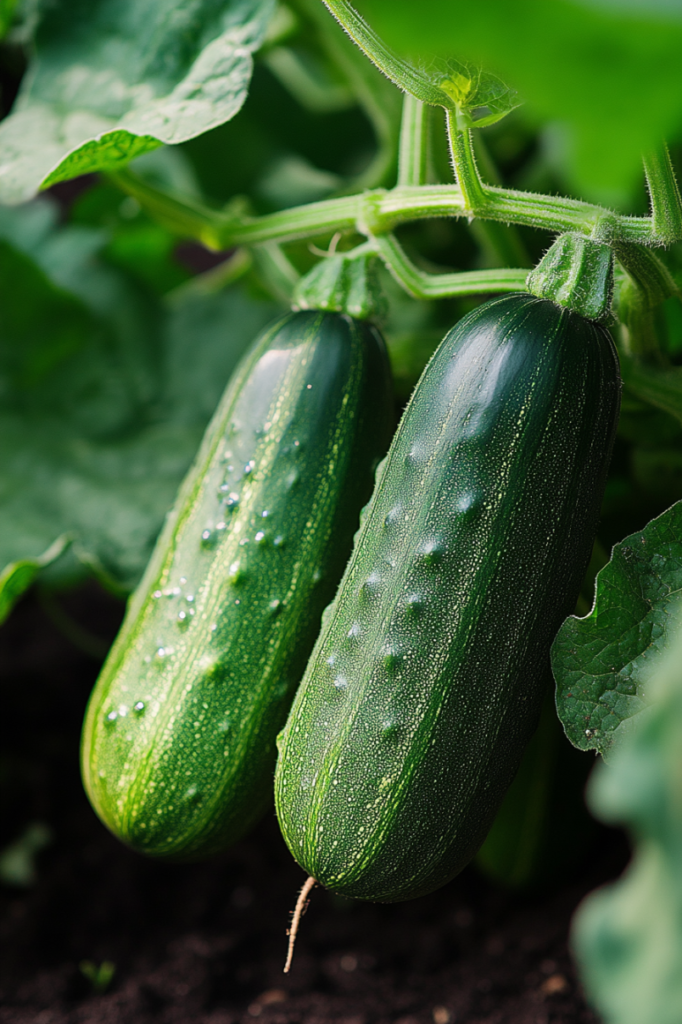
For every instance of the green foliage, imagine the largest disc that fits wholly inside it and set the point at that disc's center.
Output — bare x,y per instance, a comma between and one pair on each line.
607,74
603,664
628,937
7,9
17,577
104,402
480,99
542,825
100,976
111,80
18,860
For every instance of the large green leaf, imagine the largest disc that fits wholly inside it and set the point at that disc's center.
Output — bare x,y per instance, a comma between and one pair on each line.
607,72
603,663
104,405
628,937
112,79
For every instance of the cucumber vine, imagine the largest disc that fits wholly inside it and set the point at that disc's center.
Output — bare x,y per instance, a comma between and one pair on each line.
469,99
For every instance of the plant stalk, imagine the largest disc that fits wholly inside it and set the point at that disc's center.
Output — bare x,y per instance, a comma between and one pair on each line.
464,165
399,71
666,205
379,210
413,140
436,286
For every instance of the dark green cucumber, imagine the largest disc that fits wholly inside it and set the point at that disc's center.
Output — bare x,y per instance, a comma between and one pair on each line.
178,744
428,676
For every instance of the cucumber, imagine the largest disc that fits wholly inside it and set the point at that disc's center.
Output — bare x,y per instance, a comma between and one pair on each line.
178,746
427,679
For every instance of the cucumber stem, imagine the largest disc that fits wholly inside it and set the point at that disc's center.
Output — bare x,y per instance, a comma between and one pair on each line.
299,911
413,136
666,204
464,165
438,286
397,70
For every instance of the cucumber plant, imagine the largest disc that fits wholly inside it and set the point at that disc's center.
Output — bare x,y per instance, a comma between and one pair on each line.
534,458
374,214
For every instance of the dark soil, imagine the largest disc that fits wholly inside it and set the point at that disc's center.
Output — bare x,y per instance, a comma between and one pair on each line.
205,943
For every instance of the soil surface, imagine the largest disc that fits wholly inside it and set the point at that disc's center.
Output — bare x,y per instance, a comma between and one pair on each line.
205,943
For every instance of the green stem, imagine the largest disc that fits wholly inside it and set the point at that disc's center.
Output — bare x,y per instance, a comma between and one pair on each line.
649,273
402,74
553,213
666,205
464,165
277,274
413,137
436,286
502,242
374,212
645,284
181,216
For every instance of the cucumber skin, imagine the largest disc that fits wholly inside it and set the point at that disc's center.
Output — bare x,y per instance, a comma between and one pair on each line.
178,746
427,679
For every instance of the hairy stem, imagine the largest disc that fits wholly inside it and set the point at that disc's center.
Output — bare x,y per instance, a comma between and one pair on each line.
666,205
464,165
413,139
436,286
399,71
375,212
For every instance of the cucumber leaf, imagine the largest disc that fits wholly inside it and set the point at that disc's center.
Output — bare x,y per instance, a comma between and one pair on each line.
628,936
481,99
17,577
104,405
603,663
112,79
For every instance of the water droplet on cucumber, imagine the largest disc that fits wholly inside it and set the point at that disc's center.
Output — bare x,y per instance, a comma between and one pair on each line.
235,573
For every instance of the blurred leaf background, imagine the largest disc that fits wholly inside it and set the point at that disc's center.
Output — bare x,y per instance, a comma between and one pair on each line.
604,74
